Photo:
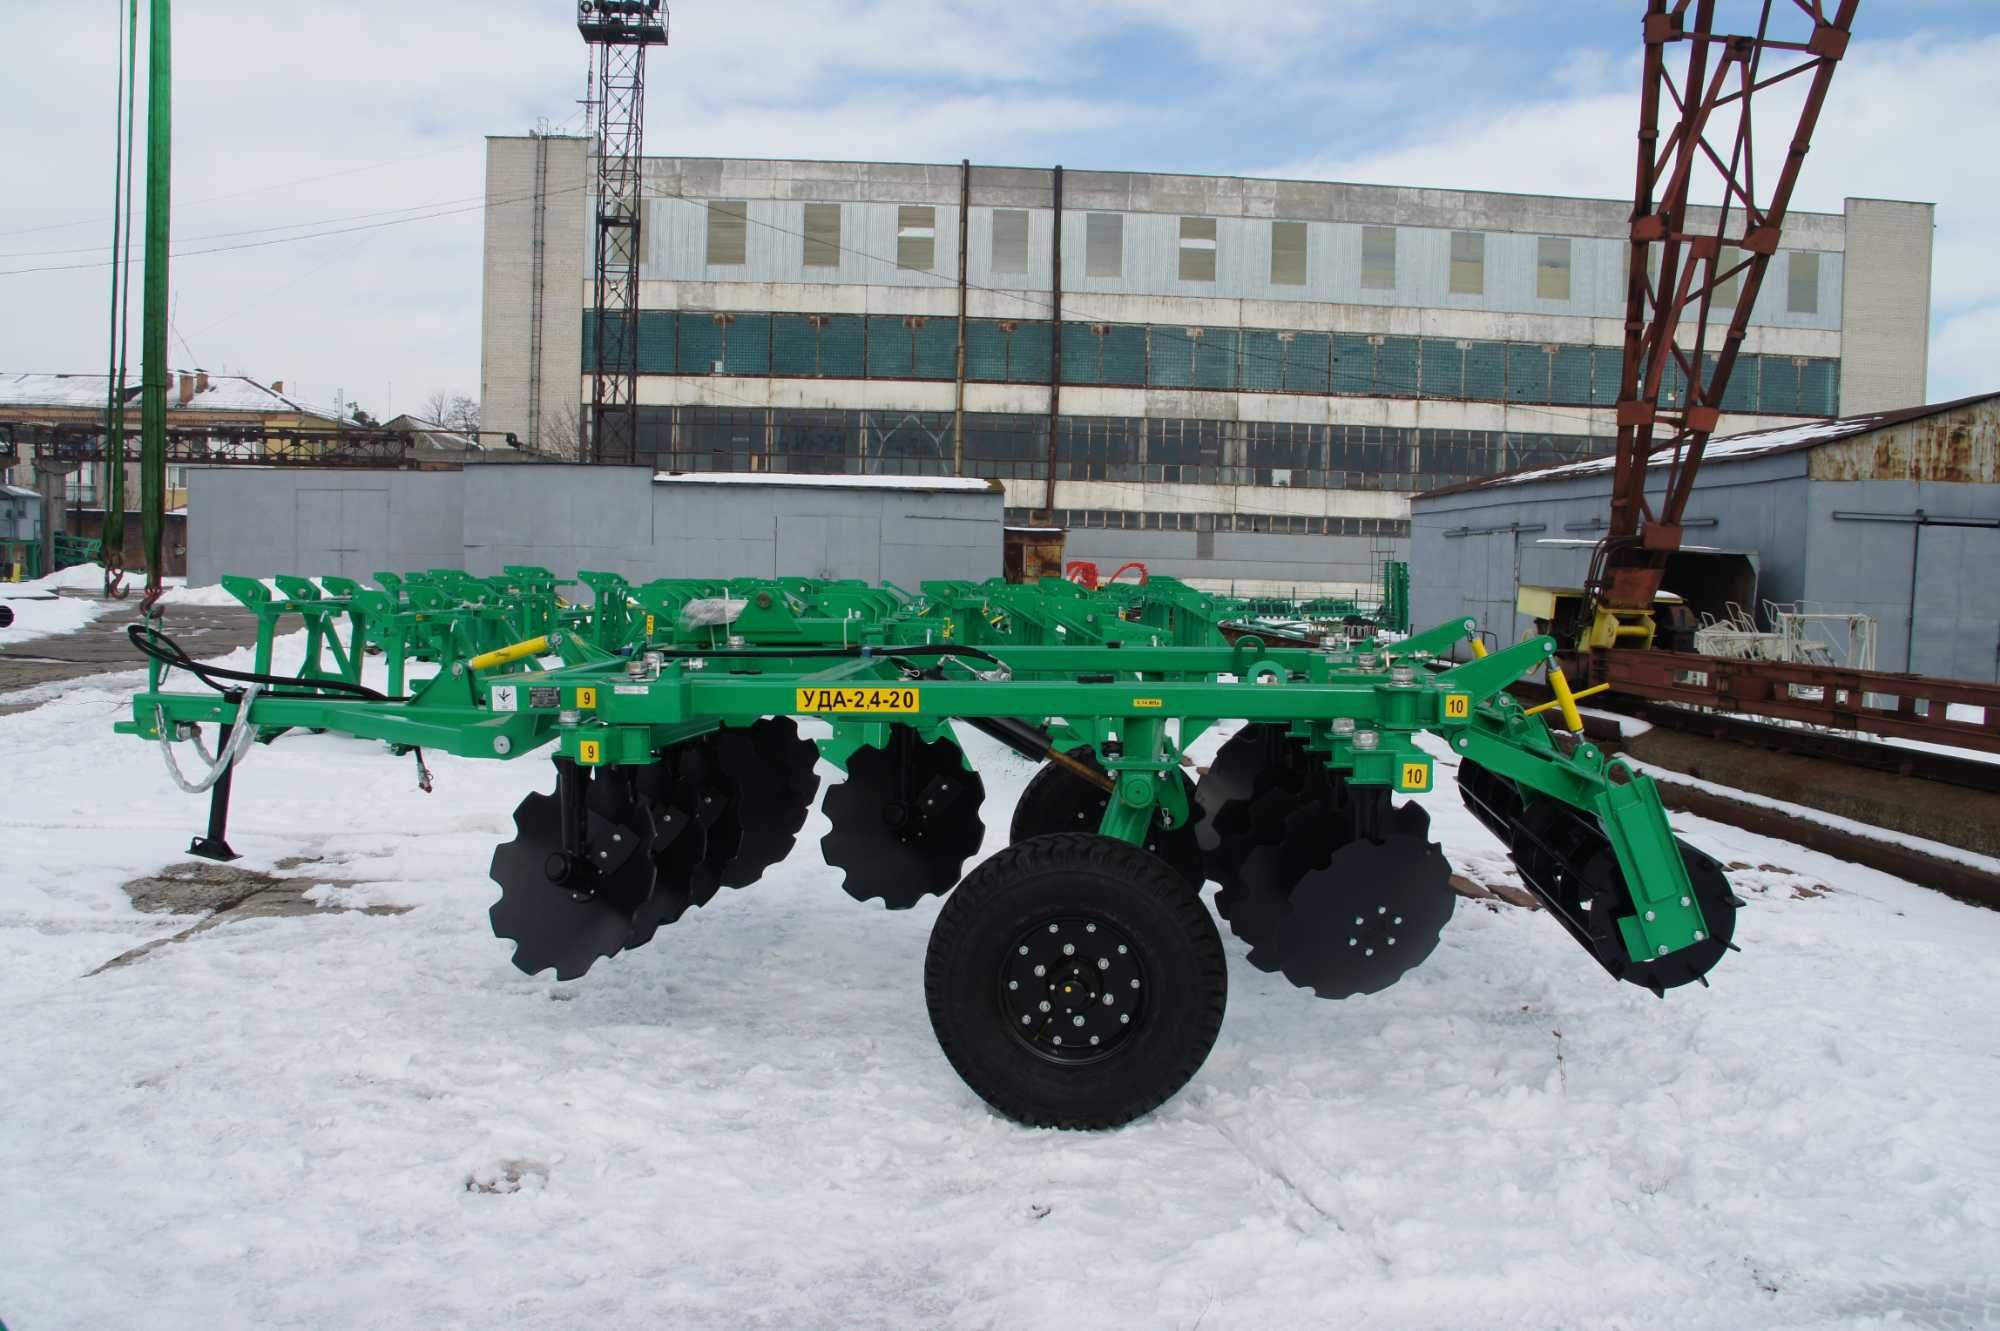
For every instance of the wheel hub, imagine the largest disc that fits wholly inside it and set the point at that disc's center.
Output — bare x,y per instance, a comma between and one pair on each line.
1072,989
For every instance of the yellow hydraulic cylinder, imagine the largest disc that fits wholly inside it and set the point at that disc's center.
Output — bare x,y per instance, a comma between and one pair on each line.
519,651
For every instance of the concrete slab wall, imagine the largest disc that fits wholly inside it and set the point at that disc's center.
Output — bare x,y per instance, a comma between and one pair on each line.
566,518
259,521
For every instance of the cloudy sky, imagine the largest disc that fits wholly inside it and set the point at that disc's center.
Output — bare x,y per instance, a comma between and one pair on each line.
328,159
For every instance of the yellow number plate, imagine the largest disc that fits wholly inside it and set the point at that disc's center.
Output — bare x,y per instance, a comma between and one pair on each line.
857,700
1457,706
1416,776
590,751
586,699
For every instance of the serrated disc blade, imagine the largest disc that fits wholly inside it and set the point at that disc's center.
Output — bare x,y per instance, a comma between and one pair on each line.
903,833
769,771
1372,914
550,925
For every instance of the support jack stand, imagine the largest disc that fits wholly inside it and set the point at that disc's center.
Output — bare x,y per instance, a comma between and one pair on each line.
215,845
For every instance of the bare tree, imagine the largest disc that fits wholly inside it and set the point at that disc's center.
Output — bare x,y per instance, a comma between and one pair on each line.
562,432
454,411
436,405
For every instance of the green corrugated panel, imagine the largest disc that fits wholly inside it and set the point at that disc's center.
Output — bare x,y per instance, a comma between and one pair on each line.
1266,357
998,356
1741,394
656,342
589,343
1124,355
937,349
1778,386
1353,363
1569,374
1396,367
843,347
748,345
1606,364
1170,358
1028,358
1486,371
1443,363
698,343
1082,355
1308,364
892,347
1215,359
1527,372
1819,387
794,345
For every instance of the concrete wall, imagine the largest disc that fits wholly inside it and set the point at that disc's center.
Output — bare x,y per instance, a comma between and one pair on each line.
566,518
260,521
531,295
1885,340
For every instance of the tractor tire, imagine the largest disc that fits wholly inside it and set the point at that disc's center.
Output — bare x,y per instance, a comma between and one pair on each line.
1074,982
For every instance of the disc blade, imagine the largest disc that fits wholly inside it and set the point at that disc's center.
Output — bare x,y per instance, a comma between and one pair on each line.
1057,799
903,822
556,926
1373,913
1254,899
769,771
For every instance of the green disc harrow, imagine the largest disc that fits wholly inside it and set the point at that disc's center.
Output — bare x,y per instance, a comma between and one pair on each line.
1075,978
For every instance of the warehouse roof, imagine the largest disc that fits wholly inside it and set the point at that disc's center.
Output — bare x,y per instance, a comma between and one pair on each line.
216,392
1735,448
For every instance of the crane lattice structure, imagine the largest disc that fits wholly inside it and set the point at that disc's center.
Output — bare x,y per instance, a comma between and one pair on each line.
618,31
1696,134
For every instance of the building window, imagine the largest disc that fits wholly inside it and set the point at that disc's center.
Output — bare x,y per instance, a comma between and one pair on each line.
1104,245
916,237
80,486
1722,303
1378,258
1010,240
1288,254
1802,286
1551,267
822,248
177,478
727,225
1197,249
1468,263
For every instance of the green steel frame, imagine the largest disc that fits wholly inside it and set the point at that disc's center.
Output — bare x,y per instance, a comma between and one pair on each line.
521,671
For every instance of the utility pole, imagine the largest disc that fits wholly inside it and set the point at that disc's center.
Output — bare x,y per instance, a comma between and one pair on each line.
153,315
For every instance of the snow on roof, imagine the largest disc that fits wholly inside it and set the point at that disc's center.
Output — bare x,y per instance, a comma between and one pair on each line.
975,484
1737,447
225,392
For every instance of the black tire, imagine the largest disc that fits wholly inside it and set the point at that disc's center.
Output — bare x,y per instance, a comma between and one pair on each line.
1080,882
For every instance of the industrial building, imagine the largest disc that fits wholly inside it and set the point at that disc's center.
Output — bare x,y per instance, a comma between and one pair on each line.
1893,515
1254,375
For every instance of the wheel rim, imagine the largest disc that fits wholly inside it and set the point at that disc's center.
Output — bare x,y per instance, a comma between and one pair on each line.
1072,989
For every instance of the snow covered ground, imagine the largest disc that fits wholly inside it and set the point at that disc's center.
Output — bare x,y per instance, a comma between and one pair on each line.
45,616
372,1120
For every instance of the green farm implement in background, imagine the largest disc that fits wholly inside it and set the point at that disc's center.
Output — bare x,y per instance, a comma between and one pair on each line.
1075,978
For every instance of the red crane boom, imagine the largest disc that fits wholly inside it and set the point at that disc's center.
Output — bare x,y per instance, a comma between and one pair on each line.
1695,129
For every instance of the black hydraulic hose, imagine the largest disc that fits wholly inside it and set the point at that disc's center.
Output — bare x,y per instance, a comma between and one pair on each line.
857,650
149,639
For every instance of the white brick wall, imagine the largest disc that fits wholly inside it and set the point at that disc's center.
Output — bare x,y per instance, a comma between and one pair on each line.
1885,325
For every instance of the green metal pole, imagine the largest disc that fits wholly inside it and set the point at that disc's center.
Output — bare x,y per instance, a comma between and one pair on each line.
153,332
113,531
